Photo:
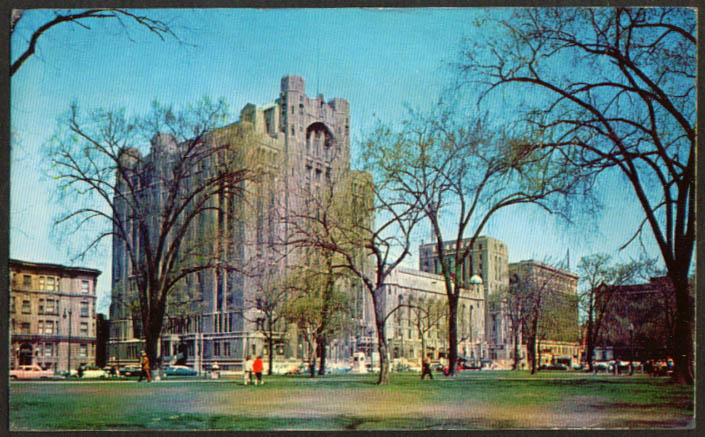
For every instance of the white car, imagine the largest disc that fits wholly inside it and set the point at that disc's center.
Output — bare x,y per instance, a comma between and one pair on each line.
91,372
31,372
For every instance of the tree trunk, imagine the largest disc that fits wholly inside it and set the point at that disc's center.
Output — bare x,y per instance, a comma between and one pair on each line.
322,355
384,377
683,341
531,346
515,365
311,359
271,354
452,333
590,342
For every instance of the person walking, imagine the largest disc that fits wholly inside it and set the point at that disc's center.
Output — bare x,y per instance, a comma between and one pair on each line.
426,368
144,364
257,368
247,373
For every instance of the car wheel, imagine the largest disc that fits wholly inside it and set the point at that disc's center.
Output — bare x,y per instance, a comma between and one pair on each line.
13,377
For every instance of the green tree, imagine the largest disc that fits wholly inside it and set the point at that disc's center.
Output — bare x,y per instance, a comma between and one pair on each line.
614,88
318,304
368,230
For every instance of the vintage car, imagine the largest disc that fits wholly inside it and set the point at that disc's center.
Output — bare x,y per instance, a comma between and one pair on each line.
31,372
180,371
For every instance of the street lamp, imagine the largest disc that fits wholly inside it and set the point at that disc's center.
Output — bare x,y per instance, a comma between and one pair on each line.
474,280
631,357
68,374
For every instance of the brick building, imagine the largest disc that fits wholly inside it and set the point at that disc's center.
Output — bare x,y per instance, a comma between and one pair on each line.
558,330
52,315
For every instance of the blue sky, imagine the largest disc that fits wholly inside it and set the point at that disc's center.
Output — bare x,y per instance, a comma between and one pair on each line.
381,61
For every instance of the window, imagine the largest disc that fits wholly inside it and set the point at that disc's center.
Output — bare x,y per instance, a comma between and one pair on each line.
41,282
27,281
41,306
216,349
26,307
84,309
24,328
40,326
49,327
50,308
84,328
48,350
226,349
51,284
12,305
83,351
84,287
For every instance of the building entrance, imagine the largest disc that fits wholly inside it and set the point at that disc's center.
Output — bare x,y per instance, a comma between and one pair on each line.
25,357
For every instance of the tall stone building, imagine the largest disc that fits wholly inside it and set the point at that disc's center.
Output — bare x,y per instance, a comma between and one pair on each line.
52,315
489,258
302,144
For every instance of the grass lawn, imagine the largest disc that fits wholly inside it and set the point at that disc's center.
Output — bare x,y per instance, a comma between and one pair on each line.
473,400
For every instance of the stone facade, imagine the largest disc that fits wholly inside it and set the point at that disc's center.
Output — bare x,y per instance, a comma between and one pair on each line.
489,258
52,309
418,306
303,144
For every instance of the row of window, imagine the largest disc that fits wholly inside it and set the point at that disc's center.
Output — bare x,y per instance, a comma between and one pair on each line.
46,327
49,307
45,283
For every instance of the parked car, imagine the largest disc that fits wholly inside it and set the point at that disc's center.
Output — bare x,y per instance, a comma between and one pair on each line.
31,372
300,369
554,366
180,371
130,371
93,372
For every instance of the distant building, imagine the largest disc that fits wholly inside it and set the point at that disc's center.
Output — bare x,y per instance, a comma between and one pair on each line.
641,320
489,258
304,144
418,305
52,315
558,336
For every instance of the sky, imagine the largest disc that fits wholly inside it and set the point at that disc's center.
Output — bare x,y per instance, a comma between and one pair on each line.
382,61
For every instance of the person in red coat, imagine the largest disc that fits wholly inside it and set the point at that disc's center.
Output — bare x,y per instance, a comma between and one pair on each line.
257,368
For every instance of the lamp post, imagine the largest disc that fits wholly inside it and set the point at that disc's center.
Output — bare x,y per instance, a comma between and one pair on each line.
474,280
68,374
631,356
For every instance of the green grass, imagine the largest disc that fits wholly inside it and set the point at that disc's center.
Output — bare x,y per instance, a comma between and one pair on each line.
475,400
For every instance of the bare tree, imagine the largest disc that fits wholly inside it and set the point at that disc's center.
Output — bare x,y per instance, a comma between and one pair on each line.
166,210
268,308
448,164
83,19
615,89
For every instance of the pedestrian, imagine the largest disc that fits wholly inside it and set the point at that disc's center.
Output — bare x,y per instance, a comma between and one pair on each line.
257,368
426,368
247,371
144,364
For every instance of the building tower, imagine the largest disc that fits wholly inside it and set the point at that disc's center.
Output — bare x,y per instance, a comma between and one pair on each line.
303,144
